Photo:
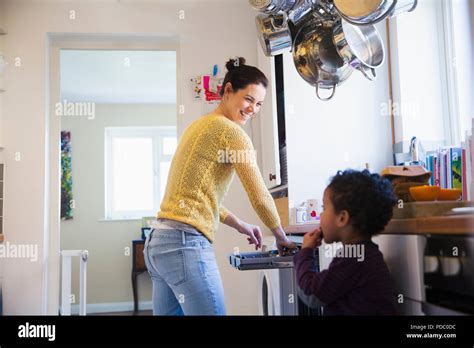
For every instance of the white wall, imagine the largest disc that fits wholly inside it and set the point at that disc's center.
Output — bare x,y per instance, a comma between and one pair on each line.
345,132
109,266
208,35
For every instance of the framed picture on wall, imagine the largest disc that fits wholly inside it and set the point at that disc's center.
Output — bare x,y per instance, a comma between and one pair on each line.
67,201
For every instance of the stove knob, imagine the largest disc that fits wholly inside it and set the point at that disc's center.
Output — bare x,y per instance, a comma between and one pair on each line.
450,266
431,264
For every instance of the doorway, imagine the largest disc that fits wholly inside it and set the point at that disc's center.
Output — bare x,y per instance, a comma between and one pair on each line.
113,113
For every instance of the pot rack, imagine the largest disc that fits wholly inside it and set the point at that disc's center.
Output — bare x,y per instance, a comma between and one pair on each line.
281,13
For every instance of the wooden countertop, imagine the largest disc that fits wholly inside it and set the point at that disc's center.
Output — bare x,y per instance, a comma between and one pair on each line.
458,224
297,229
454,224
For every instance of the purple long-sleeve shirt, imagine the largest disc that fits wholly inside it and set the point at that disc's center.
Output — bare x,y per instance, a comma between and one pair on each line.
350,286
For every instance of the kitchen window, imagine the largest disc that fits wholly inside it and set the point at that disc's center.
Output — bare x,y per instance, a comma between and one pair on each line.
432,74
137,164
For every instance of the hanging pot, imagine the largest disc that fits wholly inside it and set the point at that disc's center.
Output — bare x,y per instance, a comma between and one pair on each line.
272,6
403,6
317,60
363,12
301,11
360,46
274,38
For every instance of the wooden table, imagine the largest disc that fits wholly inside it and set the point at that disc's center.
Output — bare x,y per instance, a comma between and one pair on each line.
138,267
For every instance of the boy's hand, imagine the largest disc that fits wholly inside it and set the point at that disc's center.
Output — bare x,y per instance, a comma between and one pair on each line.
312,239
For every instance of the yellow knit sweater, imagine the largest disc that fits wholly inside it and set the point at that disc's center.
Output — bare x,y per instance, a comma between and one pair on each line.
209,153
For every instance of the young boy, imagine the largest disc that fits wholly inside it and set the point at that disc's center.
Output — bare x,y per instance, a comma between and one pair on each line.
357,205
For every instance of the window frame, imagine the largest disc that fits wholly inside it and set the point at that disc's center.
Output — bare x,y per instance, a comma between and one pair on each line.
157,134
452,96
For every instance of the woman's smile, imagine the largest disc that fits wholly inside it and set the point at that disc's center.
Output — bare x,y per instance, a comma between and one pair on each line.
246,116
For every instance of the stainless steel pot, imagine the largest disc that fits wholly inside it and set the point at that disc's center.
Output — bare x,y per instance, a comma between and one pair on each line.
403,6
272,6
317,60
274,38
360,46
300,11
363,12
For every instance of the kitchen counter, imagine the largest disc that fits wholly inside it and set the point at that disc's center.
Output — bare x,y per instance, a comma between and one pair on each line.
458,224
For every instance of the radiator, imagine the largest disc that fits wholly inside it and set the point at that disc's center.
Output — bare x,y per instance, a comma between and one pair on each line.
67,256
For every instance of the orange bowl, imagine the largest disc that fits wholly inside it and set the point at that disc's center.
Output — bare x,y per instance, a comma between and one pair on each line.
424,193
449,194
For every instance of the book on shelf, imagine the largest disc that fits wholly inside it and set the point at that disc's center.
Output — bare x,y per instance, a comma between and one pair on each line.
453,167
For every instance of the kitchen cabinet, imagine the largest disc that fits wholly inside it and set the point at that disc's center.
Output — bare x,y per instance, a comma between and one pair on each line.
265,126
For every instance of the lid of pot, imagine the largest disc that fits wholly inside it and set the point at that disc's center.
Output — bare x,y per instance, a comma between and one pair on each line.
357,8
259,4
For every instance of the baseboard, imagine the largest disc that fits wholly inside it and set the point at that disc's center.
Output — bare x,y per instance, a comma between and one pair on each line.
111,307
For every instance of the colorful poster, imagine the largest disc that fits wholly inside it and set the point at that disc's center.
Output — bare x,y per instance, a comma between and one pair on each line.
197,87
67,203
212,87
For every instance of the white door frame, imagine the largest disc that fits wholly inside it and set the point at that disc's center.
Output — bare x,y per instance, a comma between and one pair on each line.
56,42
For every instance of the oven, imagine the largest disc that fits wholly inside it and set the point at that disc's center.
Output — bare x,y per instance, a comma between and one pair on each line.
433,272
449,275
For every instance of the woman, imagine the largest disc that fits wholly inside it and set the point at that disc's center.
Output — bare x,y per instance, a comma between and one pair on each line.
178,252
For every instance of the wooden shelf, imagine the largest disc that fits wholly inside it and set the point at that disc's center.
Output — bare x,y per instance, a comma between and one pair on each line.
454,224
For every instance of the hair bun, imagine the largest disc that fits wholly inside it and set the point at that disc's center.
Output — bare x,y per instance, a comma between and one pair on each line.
235,63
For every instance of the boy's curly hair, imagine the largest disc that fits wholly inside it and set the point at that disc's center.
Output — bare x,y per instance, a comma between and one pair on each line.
367,197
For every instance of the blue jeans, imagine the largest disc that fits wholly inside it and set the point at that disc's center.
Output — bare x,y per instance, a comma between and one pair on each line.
183,269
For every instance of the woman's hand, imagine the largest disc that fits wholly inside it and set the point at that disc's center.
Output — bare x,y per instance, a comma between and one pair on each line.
253,233
282,241
312,239
284,245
